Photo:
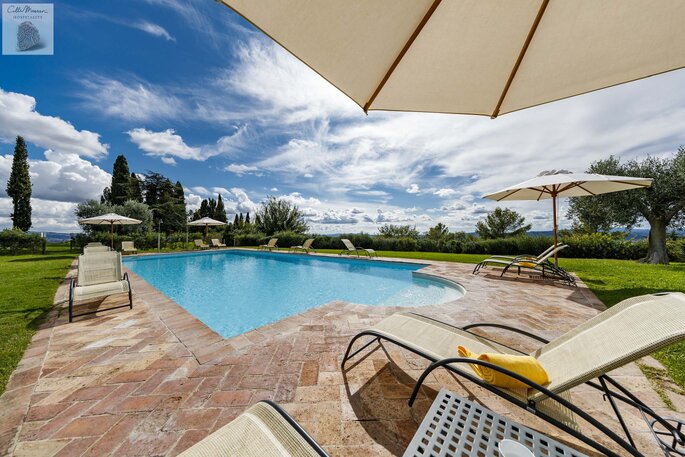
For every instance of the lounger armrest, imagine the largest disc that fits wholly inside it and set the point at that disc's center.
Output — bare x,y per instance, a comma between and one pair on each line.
467,328
317,448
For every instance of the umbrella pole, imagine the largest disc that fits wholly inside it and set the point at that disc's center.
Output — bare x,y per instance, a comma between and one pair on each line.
111,233
554,210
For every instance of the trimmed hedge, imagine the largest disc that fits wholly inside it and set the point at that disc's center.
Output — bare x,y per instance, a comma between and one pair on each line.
597,245
15,241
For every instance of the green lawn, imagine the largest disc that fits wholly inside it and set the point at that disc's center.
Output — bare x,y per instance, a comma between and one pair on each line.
30,281
28,287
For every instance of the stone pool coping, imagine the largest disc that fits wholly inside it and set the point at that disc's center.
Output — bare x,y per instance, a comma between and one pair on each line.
154,380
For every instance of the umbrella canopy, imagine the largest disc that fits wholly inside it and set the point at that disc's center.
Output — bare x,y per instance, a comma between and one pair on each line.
563,183
485,57
206,222
110,219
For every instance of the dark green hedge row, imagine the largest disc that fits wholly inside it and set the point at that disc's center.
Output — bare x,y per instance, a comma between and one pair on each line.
15,241
598,245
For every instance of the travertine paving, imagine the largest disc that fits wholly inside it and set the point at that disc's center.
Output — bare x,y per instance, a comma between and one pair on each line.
154,380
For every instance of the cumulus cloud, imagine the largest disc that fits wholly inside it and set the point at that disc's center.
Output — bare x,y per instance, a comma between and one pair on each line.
61,177
413,189
169,145
163,144
18,116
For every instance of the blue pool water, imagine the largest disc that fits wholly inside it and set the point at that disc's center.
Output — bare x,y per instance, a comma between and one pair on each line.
233,292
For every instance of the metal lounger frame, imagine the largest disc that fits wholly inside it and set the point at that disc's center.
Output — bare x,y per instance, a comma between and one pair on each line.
72,284
623,395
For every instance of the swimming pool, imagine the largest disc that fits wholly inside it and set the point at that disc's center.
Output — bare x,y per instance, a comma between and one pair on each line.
235,291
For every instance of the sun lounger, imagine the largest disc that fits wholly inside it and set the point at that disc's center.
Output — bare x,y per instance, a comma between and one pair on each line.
128,247
352,249
96,248
305,247
217,244
262,430
94,243
542,266
632,329
528,256
200,244
99,275
270,245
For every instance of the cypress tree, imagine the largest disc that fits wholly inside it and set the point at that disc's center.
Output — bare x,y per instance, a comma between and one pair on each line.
19,187
236,221
121,182
135,188
247,219
241,220
220,212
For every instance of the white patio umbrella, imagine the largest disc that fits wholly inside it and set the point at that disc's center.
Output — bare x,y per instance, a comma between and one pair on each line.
206,222
484,57
112,219
562,183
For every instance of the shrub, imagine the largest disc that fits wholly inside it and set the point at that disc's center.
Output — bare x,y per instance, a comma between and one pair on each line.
14,241
250,239
288,238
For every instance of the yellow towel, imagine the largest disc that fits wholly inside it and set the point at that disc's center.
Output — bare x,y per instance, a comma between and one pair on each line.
523,365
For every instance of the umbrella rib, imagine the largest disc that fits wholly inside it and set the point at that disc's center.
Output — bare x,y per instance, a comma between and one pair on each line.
586,190
524,49
508,195
404,50
636,184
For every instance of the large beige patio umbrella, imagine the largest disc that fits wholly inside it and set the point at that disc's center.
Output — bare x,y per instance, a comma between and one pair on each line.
206,222
562,183
485,57
112,219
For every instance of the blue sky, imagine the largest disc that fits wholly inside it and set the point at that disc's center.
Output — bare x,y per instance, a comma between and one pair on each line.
188,89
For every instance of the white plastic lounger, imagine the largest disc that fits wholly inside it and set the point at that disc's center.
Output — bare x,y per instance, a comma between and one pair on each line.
99,275
96,248
128,247
200,244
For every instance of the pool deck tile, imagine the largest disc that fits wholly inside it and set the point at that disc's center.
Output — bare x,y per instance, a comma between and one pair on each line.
154,380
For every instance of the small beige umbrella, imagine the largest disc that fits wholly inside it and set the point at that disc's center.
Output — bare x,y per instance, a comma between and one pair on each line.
112,219
562,183
484,57
206,222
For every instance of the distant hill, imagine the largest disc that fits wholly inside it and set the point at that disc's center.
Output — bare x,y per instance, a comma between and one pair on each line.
55,237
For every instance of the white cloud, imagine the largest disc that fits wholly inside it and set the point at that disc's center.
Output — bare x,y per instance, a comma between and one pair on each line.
163,144
445,192
167,145
134,100
153,29
244,204
240,169
413,189
62,177
18,116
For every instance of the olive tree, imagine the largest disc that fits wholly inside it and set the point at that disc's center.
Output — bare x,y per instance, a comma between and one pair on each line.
280,215
662,205
502,223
